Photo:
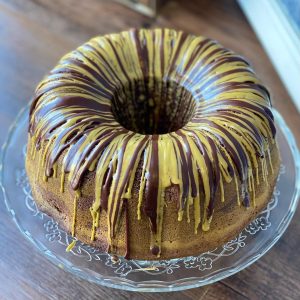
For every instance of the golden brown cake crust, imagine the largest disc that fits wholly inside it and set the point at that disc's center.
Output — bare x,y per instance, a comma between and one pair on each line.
178,238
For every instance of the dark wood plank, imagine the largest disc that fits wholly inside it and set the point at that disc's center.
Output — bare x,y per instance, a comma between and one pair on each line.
34,34
79,20
223,292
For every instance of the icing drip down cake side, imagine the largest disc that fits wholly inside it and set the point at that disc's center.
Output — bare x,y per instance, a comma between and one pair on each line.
152,144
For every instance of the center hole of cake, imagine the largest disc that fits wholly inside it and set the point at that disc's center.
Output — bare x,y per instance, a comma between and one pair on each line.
153,106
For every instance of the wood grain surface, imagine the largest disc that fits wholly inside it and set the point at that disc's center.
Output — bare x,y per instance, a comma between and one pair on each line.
33,36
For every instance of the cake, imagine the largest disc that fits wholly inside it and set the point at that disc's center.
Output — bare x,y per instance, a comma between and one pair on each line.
152,144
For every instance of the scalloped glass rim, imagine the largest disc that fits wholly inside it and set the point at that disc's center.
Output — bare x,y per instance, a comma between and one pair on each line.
158,285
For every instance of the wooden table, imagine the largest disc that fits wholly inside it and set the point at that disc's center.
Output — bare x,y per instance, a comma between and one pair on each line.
33,35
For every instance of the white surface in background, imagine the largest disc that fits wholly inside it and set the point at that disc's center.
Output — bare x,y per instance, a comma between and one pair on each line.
279,39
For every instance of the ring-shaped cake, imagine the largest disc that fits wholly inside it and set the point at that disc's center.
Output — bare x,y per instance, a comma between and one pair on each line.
152,144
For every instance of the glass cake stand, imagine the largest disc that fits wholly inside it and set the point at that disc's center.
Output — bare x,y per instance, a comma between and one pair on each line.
149,276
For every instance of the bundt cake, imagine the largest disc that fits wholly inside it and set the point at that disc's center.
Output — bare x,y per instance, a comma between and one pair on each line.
152,144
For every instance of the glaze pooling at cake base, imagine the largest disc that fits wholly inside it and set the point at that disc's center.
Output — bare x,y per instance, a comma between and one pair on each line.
180,110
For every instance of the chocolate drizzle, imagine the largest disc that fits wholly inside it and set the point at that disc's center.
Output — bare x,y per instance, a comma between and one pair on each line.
180,110
152,184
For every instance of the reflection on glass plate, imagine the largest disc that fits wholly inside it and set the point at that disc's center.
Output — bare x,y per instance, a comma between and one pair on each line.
165,275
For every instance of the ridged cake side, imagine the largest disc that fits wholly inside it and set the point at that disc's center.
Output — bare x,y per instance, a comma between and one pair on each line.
178,238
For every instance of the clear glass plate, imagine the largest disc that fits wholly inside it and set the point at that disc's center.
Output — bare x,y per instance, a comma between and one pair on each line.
166,275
